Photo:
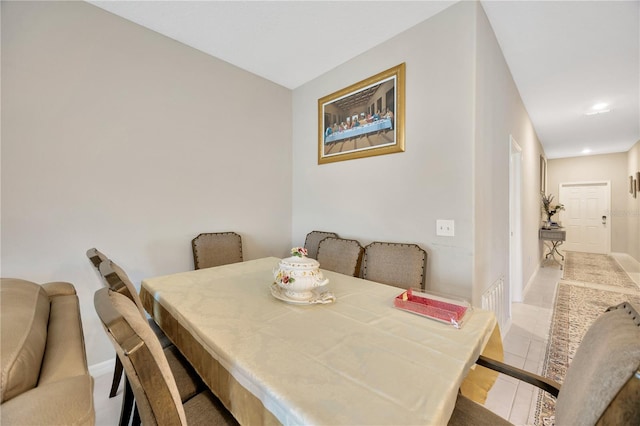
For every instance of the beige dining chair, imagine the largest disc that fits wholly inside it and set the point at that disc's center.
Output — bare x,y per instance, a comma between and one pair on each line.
340,255
118,281
153,378
96,257
602,384
312,241
397,264
216,248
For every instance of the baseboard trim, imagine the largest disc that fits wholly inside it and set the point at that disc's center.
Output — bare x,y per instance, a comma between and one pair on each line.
101,368
629,264
530,282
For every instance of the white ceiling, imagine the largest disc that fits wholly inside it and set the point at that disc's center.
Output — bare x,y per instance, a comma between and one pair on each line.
564,56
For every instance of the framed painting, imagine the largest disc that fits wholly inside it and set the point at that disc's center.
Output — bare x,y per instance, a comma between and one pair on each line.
543,175
364,119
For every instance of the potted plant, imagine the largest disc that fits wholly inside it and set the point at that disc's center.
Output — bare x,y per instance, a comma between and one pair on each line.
549,208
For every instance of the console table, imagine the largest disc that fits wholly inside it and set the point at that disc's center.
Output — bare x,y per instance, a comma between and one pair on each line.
555,237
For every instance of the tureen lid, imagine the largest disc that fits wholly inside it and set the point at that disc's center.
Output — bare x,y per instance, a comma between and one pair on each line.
299,263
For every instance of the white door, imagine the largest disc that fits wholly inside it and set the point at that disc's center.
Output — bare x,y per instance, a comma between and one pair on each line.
586,218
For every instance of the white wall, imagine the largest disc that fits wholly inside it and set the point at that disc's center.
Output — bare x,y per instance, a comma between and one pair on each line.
606,167
99,111
499,114
116,137
461,106
398,197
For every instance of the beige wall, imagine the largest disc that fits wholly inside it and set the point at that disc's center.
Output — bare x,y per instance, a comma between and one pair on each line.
456,160
607,167
499,114
398,197
94,106
117,137
632,213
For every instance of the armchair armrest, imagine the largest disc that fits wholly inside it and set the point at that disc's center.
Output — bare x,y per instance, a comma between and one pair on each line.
59,288
65,402
543,383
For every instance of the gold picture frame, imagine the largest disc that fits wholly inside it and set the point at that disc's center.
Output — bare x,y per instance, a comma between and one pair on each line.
364,119
543,175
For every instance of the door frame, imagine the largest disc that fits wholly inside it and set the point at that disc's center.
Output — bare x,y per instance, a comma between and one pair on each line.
516,288
607,208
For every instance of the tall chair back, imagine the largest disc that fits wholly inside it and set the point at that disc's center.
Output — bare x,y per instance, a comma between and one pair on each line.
602,384
340,255
312,241
603,381
156,393
398,264
96,257
216,248
117,280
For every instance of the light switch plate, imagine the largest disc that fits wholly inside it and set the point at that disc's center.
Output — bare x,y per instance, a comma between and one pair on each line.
445,228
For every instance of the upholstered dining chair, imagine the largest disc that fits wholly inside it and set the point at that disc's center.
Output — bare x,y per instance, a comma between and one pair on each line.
216,248
312,241
149,371
340,255
118,281
398,264
602,384
96,257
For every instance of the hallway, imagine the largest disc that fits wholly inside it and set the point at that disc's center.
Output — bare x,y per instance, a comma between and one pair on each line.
526,341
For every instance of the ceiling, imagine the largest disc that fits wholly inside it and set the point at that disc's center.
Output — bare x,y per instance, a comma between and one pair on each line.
565,56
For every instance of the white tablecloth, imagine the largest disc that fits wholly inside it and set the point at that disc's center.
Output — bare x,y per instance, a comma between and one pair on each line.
356,361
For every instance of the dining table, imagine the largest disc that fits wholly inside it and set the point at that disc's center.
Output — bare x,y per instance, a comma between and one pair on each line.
357,360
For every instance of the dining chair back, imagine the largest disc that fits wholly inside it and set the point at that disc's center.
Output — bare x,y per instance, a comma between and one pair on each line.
340,255
603,380
96,257
398,264
216,248
602,383
312,241
118,281
157,396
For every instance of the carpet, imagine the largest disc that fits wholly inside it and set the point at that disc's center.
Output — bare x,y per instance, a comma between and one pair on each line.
576,308
596,269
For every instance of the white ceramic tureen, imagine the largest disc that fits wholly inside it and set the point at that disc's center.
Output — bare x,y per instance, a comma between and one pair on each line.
298,275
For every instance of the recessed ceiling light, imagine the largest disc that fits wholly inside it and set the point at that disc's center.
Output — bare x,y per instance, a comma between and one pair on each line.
601,111
599,108
586,151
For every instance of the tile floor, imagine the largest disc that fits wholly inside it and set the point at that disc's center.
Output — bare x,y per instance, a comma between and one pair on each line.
524,347
107,409
526,341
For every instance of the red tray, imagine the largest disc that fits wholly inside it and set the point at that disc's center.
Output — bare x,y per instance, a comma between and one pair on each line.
439,308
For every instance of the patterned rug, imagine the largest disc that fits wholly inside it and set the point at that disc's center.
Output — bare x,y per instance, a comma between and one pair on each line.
576,308
596,269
